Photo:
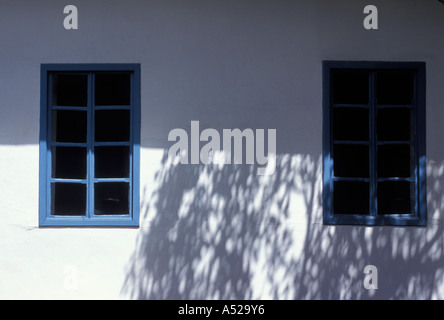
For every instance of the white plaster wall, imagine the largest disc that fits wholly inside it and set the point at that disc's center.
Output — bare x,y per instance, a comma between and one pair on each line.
208,231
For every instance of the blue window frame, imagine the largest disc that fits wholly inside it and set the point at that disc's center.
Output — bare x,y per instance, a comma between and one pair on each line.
374,155
89,145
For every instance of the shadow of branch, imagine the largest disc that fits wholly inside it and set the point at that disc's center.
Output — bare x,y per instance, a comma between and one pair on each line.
224,232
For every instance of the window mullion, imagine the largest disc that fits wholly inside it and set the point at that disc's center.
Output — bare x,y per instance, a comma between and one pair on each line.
373,146
132,121
49,144
416,143
90,142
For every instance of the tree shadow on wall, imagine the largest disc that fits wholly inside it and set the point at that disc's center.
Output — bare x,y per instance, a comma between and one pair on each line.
211,232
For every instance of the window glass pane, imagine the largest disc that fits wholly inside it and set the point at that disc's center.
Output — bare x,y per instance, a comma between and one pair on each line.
395,124
69,126
112,125
396,161
394,87
351,160
68,162
351,197
396,197
68,199
350,124
111,198
112,89
350,86
111,162
70,90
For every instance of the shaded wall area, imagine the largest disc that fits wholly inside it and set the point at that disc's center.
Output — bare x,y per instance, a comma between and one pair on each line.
226,233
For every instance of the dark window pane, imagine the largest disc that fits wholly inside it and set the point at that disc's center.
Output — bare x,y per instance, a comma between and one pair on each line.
351,197
69,126
68,162
70,90
396,161
68,199
350,124
396,197
112,125
395,87
112,89
350,86
351,161
111,162
395,124
111,198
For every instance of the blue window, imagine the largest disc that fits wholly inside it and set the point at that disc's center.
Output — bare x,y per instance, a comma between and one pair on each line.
89,145
374,166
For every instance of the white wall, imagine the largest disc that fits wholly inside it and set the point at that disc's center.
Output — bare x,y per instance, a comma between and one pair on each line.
215,232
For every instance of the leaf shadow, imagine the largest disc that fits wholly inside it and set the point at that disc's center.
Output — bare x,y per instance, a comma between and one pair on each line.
224,232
